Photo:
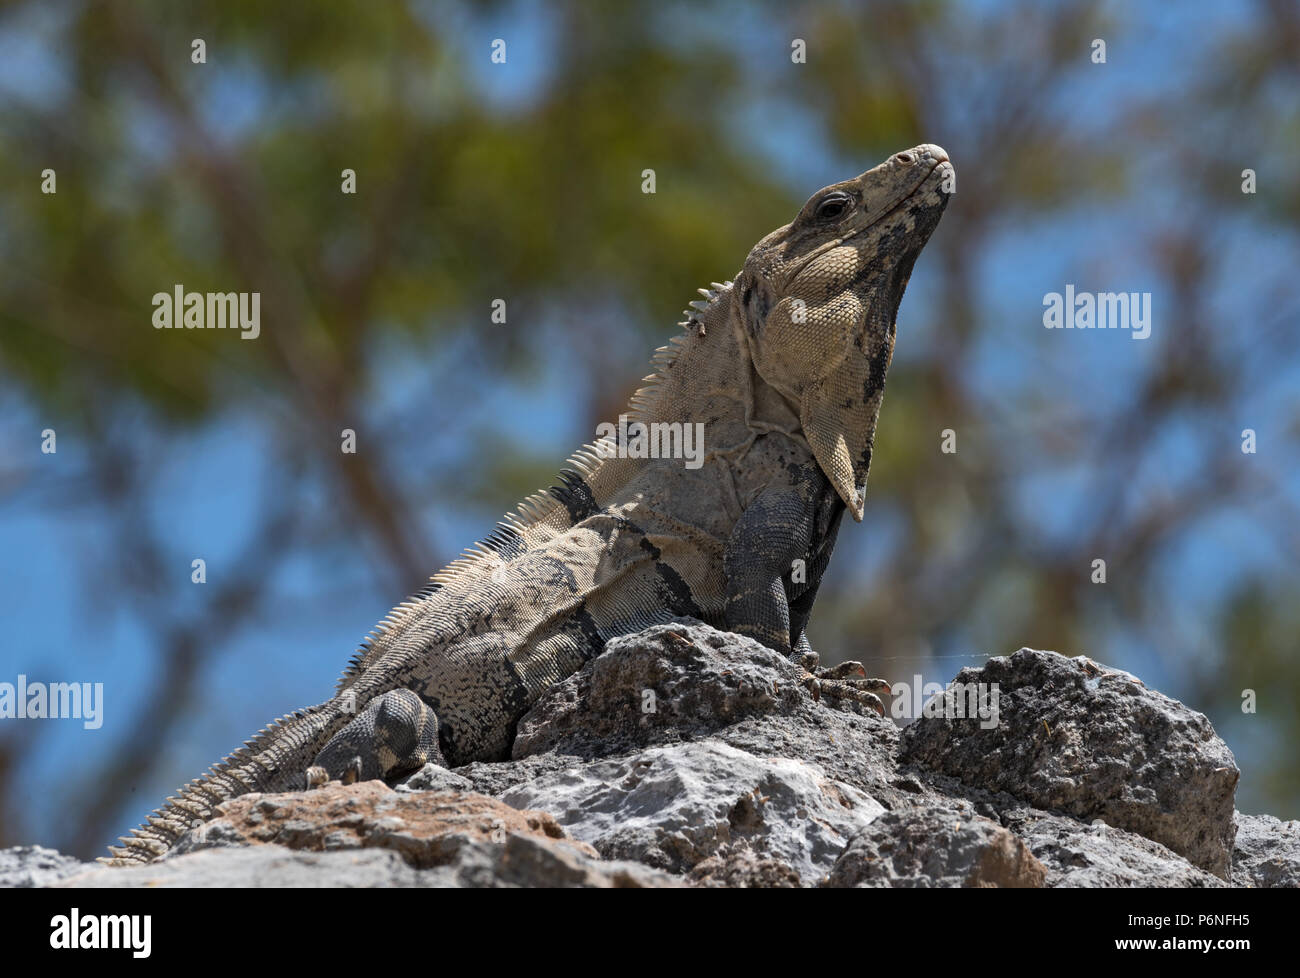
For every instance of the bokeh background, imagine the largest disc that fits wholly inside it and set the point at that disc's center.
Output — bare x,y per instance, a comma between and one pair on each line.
522,181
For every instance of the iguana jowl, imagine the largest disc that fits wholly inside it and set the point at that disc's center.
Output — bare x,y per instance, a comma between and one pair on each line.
785,367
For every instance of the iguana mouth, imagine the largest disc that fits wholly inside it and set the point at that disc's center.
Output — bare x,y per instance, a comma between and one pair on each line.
903,199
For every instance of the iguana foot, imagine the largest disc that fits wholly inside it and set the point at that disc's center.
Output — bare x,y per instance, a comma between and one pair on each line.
844,681
396,732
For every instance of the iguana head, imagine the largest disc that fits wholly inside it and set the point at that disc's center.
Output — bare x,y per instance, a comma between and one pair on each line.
819,297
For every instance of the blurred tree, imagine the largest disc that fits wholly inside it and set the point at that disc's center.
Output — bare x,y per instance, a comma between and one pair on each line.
523,182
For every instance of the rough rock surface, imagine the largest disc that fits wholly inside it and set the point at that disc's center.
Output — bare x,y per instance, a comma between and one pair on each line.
518,862
1267,852
671,807
936,846
24,866
683,683
1076,737
1078,854
689,756
425,829
458,837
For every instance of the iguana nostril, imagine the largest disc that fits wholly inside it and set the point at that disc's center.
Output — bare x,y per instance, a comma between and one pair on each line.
904,158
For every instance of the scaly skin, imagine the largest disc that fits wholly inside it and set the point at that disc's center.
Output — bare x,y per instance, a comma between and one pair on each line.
785,368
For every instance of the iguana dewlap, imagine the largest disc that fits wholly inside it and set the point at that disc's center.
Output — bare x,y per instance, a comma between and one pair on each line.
785,369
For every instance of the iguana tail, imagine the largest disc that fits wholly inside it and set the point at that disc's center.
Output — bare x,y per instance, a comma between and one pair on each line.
274,760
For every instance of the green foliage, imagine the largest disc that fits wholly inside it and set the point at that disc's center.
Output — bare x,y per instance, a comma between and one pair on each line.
523,182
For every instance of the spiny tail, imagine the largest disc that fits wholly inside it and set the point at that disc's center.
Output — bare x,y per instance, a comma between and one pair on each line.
274,760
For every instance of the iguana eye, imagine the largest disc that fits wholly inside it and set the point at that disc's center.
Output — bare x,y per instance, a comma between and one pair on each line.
833,207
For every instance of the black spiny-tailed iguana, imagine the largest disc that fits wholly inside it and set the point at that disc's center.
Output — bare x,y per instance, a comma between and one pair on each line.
785,369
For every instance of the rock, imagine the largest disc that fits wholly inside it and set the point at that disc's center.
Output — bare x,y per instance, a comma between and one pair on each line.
674,806
705,684
468,838
426,829
742,869
26,866
520,862
936,846
1076,737
671,682
689,756
433,777
264,865
1100,855
1267,852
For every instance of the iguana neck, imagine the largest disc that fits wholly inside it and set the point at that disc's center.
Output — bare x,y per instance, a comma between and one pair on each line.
707,375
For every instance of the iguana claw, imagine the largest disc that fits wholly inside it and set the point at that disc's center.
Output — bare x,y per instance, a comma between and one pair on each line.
844,681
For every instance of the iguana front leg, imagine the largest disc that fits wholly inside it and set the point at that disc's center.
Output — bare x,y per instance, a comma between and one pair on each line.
777,529
395,733
770,535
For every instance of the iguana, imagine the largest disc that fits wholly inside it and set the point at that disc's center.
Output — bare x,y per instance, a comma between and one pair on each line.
785,369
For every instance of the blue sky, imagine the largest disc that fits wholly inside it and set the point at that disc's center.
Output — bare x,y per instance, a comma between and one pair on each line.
59,629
